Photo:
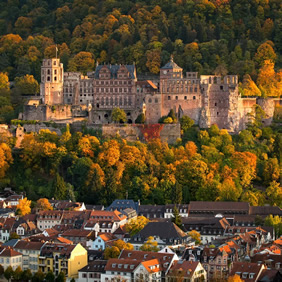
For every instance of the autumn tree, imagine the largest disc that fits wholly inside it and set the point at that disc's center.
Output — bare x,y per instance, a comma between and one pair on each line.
44,204
235,278
276,223
136,224
82,62
6,159
150,245
248,87
116,248
118,115
27,85
23,207
186,122
195,236
274,194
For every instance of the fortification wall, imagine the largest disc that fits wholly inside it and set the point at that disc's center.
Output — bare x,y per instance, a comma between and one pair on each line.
133,132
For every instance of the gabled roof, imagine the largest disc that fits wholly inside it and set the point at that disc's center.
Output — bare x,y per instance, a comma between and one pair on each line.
114,70
218,206
164,258
95,266
28,245
124,265
8,252
122,205
77,233
247,268
171,65
184,266
152,265
164,230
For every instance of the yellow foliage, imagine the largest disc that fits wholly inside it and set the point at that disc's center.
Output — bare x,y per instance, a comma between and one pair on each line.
235,278
43,204
109,154
4,81
249,88
23,207
49,149
5,158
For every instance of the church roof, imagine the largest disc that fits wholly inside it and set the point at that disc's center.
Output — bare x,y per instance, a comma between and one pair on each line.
171,65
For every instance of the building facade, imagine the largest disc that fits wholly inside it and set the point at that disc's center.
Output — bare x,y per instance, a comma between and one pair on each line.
207,99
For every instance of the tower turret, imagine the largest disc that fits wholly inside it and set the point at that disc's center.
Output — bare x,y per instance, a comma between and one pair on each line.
52,80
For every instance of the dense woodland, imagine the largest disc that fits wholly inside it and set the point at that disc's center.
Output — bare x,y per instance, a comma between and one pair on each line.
219,36
205,165
238,37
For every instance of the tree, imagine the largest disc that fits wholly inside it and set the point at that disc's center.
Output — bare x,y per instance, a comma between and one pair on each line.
8,273
248,87
111,252
14,235
44,204
4,81
271,171
276,223
1,270
17,275
38,276
23,207
265,52
27,85
50,277
195,236
61,277
150,245
5,159
274,194
26,275
140,119
235,278
118,115
176,218
59,188
136,224
82,62
186,123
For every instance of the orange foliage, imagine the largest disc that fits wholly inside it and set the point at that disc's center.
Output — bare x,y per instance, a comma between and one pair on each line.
43,204
5,158
23,207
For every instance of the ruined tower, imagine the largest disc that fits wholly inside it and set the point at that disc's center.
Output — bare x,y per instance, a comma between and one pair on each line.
52,80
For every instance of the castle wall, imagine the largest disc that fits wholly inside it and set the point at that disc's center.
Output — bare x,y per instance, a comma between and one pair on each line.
168,133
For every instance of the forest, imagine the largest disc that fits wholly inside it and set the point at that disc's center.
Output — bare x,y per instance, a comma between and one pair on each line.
209,165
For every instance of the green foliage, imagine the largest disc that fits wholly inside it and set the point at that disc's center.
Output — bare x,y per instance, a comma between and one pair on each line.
276,223
186,123
61,277
140,119
50,277
38,276
118,115
59,187
176,218
8,273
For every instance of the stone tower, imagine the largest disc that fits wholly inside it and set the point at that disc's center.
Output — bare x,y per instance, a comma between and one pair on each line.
52,80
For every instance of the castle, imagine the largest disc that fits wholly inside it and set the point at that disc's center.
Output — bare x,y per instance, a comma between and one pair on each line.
207,99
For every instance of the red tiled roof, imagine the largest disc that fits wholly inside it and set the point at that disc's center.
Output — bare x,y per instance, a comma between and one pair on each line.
9,252
124,265
184,266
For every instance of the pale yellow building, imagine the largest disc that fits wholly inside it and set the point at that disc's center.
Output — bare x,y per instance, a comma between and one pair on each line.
62,258
10,257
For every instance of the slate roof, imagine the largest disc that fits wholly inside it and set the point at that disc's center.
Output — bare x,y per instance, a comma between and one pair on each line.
122,205
114,70
265,210
95,266
164,230
171,65
246,268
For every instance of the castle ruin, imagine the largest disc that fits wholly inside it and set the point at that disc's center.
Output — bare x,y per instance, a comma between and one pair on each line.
207,99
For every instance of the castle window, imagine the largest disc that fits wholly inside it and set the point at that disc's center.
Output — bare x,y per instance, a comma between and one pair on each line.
55,78
221,87
48,78
55,63
217,113
176,97
48,71
168,97
80,101
150,100
194,97
55,71
215,104
185,97
156,100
